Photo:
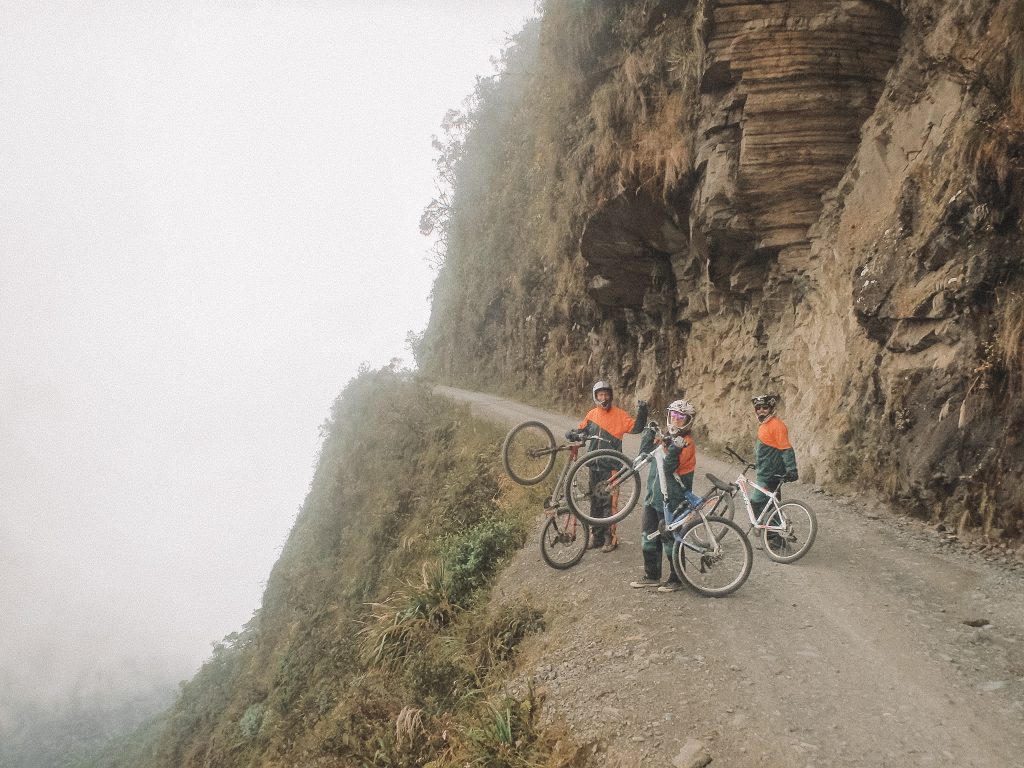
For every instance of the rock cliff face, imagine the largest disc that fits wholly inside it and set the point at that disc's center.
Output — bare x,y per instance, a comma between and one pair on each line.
844,229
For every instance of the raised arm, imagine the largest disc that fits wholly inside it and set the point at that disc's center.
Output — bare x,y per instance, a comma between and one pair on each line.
640,421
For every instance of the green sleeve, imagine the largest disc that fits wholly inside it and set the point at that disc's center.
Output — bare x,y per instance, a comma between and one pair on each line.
789,457
647,441
640,422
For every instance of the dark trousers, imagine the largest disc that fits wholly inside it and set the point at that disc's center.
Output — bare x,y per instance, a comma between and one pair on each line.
652,550
600,506
758,499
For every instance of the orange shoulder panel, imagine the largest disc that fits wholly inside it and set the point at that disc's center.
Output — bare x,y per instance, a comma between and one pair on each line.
587,418
774,434
614,421
687,459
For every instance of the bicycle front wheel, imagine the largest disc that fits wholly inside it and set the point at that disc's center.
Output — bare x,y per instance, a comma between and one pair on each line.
713,570
564,539
799,525
528,452
602,487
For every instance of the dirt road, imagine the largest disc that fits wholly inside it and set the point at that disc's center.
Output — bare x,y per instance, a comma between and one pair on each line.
885,646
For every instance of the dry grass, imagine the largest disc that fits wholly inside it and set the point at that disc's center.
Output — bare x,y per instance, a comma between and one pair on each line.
999,147
1009,343
641,134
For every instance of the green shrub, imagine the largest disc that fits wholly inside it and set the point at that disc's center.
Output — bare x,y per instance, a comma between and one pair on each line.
252,721
472,556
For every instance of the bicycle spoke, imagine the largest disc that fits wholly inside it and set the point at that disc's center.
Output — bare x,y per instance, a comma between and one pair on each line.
795,529
528,452
564,539
716,569
602,487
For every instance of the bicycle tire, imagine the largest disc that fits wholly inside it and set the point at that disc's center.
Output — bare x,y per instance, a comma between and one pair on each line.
621,491
714,574
528,452
801,530
564,539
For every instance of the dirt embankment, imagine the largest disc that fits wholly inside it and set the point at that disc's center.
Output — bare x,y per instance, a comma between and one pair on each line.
887,645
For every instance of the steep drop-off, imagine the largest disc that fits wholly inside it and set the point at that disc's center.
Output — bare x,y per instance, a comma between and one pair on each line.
377,642
719,198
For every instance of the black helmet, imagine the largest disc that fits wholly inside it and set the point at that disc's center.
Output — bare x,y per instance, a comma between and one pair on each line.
765,401
598,386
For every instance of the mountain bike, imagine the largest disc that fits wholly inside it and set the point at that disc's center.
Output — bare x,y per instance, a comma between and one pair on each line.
787,528
711,553
528,454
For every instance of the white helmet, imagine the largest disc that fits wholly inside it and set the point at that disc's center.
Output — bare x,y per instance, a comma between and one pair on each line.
684,407
598,386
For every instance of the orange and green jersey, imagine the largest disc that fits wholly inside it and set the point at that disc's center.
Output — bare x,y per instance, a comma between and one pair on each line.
679,463
773,453
612,425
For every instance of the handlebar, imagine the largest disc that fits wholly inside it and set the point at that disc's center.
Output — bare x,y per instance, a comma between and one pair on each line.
739,458
583,440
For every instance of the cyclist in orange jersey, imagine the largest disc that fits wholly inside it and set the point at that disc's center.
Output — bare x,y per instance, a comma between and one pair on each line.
774,457
610,422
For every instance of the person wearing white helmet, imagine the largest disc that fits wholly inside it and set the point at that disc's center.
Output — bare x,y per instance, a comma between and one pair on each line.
679,460
607,421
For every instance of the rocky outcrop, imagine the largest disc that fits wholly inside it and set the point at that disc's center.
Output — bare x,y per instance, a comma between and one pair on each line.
834,239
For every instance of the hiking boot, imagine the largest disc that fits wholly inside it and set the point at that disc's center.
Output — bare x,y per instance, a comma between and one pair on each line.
670,585
595,544
777,542
644,582
611,546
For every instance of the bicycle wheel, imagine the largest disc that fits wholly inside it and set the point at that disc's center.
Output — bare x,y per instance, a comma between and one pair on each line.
528,452
718,570
564,539
801,526
602,487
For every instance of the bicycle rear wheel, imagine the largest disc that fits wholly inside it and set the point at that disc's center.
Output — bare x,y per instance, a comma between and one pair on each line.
801,526
713,570
602,487
528,452
722,505
563,542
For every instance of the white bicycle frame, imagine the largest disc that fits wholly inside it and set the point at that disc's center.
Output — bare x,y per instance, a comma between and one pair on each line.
674,524
771,507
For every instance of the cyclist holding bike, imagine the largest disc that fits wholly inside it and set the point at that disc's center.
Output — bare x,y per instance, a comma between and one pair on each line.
679,461
610,423
774,457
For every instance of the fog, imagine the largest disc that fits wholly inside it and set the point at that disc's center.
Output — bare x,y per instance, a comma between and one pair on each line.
208,219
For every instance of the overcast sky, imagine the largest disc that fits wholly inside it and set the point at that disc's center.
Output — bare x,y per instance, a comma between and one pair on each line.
208,219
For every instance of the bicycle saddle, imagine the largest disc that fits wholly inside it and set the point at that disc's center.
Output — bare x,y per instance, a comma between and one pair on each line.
720,485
